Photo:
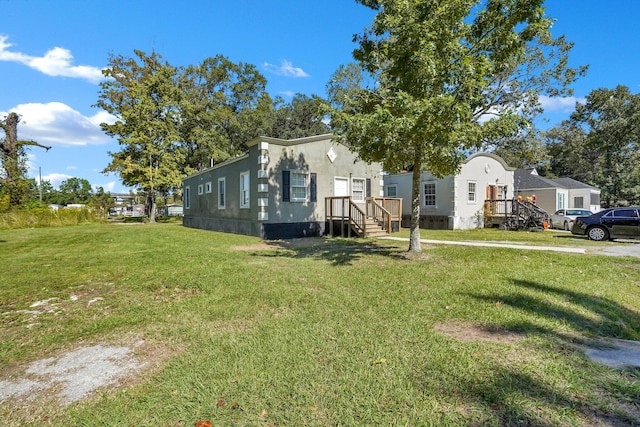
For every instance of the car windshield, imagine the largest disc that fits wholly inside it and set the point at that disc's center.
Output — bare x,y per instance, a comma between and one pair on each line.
579,212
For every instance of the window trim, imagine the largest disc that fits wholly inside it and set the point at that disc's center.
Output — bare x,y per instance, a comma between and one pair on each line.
424,195
245,193
353,190
200,189
222,195
472,197
292,198
207,187
387,187
186,202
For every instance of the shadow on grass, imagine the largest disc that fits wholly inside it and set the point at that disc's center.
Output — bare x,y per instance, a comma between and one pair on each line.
337,251
589,314
591,317
510,397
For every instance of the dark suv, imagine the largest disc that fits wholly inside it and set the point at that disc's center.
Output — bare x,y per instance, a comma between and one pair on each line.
613,223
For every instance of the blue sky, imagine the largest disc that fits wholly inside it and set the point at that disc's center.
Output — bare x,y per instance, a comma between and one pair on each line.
51,53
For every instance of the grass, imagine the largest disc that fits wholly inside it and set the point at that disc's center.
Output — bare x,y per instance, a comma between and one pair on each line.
39,217
327,332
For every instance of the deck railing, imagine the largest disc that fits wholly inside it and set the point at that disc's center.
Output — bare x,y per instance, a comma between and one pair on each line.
382,210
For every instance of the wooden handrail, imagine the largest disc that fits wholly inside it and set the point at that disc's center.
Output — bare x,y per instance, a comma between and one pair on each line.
376,211
383,210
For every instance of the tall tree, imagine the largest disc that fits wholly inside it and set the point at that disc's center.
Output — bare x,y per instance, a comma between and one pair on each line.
75,190
303,116
601,144
13,182
522,151
224,105
143,95
441,68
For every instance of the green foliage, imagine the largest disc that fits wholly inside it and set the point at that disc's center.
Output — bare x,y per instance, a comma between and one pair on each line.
143,96
13,181
449,76
301,117
223,106
43,216
75,190
600,145
523,151
173,121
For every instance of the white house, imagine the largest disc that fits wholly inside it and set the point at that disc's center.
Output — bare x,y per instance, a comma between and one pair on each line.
455,201
556,193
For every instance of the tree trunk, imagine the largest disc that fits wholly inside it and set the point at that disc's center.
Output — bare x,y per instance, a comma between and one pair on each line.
414,237
151,205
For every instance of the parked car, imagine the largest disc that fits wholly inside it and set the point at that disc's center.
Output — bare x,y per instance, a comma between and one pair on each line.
613,223
563,218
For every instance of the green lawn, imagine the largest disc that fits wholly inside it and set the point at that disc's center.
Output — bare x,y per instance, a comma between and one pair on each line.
328,332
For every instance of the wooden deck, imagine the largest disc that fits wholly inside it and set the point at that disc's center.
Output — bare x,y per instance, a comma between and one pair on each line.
514,214
374,217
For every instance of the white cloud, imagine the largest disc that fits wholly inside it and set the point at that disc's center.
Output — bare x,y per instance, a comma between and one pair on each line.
55,179
108,187
559,104
56,123
287,93
55,62
286,69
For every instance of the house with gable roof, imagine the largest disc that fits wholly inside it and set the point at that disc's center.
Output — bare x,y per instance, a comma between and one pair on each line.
556,193
281,189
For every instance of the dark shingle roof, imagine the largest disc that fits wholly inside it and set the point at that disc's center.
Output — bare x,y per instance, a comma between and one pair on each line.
571,183
525,179
528,179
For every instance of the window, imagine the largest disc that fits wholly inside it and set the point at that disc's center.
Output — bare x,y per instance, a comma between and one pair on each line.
244,189
578,202
626,213
187,197
200,190
222,193
561,200
471,194
358,189
207,187
392,191
502,192
429,194
298,186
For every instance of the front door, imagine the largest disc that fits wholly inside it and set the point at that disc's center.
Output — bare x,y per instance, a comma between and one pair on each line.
340,187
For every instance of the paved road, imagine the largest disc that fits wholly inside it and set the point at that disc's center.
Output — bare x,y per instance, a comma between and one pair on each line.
626,248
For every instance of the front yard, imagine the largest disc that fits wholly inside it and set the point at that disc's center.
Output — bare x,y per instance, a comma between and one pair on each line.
235,331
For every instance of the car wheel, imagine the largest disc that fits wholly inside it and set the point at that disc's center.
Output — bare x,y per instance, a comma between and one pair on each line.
598,233
566,225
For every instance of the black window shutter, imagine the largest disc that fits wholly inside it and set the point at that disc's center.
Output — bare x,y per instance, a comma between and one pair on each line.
368,187
313,194
286,187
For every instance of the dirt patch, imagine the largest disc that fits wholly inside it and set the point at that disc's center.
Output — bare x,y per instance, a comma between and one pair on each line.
305,242
614,353
474,333
77,374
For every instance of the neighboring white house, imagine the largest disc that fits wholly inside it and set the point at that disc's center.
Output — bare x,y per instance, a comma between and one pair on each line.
556,193
455,201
